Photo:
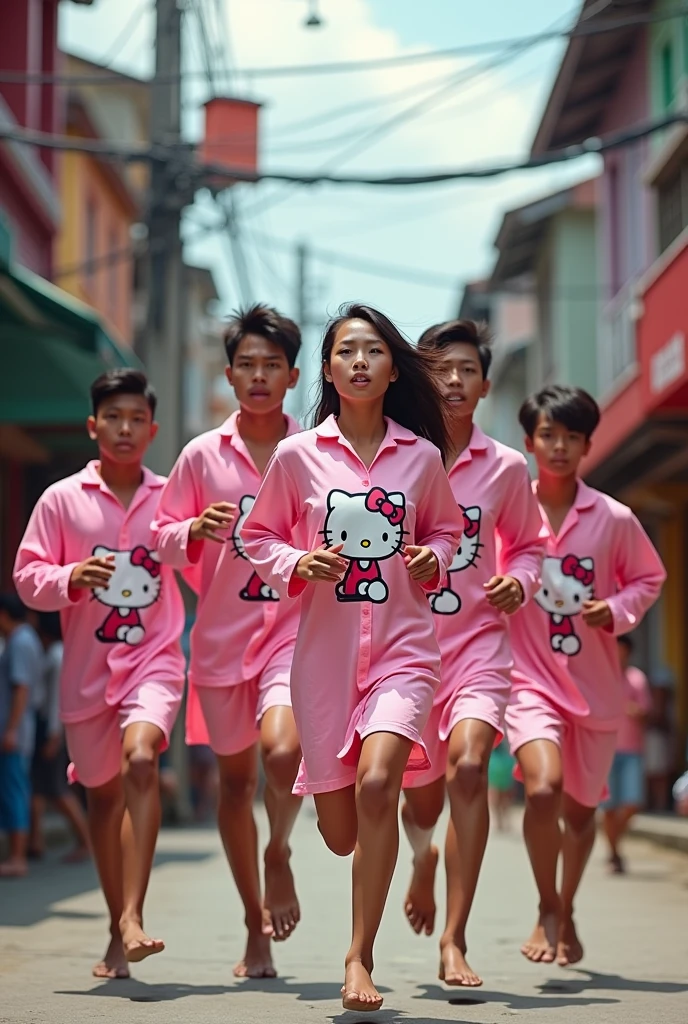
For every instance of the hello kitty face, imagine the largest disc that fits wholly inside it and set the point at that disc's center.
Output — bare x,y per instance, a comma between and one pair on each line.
469,549
136,581
245,506
370,526
566,584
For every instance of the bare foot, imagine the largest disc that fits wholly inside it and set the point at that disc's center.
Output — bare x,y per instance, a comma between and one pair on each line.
540,948
257,960
419,904
569,948
454,968
137,945
13,868
358,992
281,904
114,963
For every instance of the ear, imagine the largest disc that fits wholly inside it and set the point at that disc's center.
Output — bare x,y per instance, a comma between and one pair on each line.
294,375
246,503
398,499
473,513
394,375
228,375
154,555
101,552
91,428
154,428
587,563
335,498
529,444
487,384
588,446
327,373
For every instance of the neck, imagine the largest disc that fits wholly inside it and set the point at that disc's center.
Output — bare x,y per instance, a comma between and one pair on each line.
262,427
557,491
120,475
362,423
460,431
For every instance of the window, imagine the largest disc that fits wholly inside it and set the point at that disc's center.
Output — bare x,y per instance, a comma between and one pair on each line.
667,72
91,228
673,207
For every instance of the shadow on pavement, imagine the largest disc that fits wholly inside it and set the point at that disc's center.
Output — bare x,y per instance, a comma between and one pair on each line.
474,997
579,980
28,901
140,992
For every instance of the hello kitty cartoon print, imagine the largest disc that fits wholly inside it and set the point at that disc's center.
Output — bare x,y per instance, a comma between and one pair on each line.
135,584
566,584
447,601
370,526
255,589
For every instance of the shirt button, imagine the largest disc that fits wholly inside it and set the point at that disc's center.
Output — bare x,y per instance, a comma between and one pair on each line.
365,483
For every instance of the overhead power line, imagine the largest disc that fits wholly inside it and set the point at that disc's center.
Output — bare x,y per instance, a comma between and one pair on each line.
598,26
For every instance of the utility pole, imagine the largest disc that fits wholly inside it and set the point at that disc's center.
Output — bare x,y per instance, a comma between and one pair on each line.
163,344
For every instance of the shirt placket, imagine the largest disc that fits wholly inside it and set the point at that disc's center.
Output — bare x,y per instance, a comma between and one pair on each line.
365,624
123,544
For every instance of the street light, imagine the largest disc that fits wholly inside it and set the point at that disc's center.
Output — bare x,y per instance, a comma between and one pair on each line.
313,20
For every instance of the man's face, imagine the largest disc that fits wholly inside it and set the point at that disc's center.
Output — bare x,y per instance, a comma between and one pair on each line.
558,451
123,427
260,374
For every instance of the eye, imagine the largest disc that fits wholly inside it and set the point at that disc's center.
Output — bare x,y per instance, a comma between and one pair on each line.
343,535
576,598
385,537
145,588
546,593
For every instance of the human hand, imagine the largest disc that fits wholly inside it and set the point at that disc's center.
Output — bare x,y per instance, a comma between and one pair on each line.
322,565
218,516
92,572
597,614
504,593
51,747
9,741
421,563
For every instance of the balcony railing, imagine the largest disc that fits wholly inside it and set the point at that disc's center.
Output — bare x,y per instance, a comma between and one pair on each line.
617,351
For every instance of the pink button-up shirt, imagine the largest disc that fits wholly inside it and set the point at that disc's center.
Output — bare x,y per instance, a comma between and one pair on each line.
377,622
240,623
601,552
501,535
118,636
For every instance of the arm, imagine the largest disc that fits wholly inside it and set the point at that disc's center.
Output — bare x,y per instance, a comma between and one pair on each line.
640,575
521,535
180,504
267,531
41,580
439,523
23,668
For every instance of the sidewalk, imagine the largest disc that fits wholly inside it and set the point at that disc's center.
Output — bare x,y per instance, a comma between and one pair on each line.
668,830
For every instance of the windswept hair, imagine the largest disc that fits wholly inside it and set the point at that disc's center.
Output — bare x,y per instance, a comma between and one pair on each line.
467,332
267,323
415,399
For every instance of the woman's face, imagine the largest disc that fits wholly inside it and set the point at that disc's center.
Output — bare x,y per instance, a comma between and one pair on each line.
361,366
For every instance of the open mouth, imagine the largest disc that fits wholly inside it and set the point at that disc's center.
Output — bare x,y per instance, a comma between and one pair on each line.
359,380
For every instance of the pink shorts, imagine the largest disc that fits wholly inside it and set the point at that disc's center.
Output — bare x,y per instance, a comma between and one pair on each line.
484,698
586,754
332,745
95,745
227,718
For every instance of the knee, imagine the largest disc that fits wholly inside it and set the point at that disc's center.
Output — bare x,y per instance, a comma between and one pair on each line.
580,823
543,798
425,815
467,777
281,763
340,840
238,790
141,767
377,794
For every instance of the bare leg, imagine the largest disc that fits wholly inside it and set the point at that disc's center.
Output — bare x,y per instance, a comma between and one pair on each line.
419,814
616,824
540,763
140,751
105,818
70,807
36,845
238,784
281,757
470,746
380,771
579,839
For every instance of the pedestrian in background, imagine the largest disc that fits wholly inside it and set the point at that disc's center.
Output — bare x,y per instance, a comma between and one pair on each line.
21,670
627,776
659,740
49,783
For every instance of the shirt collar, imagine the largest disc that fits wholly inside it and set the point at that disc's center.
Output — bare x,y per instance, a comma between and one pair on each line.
586,496
395,433
90,477
230,427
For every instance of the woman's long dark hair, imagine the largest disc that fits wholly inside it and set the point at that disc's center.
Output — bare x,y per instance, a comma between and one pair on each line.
414,400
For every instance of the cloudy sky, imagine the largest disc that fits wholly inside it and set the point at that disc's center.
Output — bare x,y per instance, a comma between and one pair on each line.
489,113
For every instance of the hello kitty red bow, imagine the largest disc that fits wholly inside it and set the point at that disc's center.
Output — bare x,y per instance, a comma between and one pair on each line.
470,526
141,557
571,566
378,500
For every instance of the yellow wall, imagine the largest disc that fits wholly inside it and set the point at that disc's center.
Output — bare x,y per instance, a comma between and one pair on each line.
108,288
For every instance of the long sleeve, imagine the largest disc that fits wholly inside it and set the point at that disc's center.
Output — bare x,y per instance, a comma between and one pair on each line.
439,523
41,580
640,575
267,531
180,504
521,535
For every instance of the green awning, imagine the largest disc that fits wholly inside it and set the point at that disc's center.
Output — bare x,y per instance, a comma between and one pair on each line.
51,349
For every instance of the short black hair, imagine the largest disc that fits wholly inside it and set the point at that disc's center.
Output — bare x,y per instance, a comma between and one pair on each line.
573,407
627,640
268,323
453,332
49,625
122,381
12,605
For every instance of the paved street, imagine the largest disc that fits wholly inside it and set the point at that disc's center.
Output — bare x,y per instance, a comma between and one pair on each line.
52,928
